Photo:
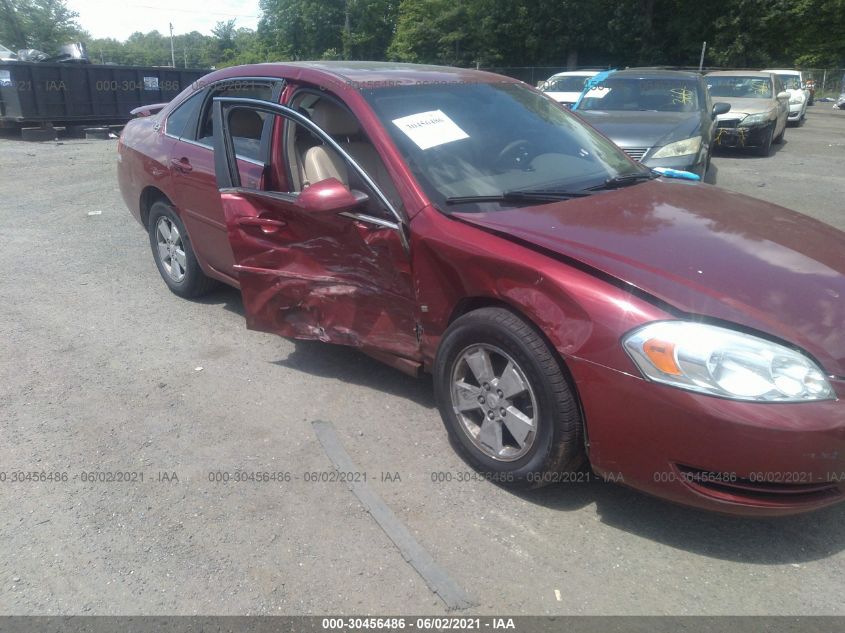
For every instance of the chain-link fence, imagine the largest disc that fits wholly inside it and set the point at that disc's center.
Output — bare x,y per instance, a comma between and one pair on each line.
829,82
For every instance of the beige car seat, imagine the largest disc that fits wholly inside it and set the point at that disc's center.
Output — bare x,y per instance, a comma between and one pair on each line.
321,162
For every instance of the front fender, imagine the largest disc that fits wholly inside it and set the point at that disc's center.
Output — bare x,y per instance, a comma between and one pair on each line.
580,312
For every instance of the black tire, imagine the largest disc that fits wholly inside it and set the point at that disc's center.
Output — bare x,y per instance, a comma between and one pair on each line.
765,147
706,167
558,442
194,283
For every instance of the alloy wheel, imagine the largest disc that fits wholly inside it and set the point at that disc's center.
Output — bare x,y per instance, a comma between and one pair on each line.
171,250
494,402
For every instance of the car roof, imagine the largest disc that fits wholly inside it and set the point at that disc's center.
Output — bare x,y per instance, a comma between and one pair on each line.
365,74
782,71
656,73
740,73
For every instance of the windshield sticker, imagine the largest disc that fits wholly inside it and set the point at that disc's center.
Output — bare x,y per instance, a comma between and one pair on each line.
430,129
598,92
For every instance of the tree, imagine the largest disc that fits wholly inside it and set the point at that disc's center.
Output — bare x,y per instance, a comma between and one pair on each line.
431,31
41,24
368,28
820,41
301,29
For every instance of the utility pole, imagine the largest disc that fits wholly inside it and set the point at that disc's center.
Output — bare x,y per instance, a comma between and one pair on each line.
701,61
172,50
347,27
185,51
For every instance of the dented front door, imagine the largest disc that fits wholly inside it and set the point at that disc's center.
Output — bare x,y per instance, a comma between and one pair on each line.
339,277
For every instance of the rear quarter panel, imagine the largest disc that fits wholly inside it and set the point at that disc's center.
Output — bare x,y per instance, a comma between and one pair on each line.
142,161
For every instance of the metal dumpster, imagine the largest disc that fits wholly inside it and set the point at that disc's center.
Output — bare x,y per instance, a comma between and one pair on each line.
70,94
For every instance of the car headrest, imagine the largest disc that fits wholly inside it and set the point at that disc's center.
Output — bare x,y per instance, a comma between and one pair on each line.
333,119
246,124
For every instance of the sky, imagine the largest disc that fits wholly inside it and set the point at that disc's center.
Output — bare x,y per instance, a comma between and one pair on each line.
119,19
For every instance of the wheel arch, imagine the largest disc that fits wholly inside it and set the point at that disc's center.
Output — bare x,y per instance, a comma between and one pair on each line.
149,196
470,304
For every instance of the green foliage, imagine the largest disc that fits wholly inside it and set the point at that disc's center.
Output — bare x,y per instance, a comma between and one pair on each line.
41,24
434,31
301,29
619,33
370,27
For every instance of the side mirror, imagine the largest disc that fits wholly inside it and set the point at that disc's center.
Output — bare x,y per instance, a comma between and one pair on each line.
783,95
329,196
720,107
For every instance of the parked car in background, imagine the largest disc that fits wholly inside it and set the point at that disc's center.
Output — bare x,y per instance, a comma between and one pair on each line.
759,109
662,118
572,306
799,95
810,84
566,87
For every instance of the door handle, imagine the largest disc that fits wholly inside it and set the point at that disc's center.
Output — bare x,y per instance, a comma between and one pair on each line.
182,164
267,225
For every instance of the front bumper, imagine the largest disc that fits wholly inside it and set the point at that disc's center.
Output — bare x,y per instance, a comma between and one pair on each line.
717,454
752,136
795,110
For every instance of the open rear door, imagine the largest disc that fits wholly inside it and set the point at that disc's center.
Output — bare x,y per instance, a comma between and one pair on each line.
313,264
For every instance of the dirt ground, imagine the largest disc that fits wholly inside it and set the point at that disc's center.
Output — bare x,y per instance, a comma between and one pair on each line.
102,369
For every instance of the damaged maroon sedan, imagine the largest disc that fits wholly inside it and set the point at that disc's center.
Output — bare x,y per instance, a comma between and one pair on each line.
574,308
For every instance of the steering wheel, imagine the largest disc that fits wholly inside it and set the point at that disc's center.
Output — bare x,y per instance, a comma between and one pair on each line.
514,155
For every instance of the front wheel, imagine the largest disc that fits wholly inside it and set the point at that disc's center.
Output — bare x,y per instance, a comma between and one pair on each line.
779,138
504,399
765,147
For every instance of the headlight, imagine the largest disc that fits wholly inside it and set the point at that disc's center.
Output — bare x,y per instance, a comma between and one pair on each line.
755,119
679,148
722,362
796,98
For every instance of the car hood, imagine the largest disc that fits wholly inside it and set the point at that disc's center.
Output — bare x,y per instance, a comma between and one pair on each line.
643,129
705,251
745,106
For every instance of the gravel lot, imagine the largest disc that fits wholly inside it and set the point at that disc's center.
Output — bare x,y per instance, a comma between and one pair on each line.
103,369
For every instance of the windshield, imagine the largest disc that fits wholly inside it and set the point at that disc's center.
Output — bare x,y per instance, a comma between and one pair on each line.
740,87
661,95
464,140
791,82
567,84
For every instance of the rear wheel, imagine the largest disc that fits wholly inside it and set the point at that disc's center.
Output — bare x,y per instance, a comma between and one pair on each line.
505,400
174,255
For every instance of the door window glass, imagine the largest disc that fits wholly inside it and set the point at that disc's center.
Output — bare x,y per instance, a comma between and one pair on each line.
179,119
246,126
